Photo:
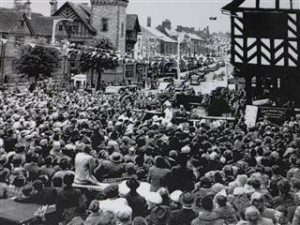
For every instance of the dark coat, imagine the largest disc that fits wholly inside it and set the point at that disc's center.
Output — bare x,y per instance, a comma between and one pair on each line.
109,170
183,217
182,178
46,196
69,203
138,204
33,170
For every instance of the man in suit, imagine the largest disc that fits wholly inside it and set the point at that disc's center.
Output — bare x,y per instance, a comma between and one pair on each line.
186,215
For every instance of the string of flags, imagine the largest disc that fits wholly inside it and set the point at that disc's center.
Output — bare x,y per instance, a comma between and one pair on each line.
76,50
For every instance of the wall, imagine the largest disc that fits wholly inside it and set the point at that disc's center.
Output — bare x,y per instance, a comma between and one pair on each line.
115,11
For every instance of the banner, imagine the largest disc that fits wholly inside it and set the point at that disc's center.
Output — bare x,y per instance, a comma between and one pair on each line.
276,115
251,115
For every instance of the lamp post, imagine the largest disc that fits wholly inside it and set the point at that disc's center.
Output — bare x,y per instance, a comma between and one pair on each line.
55,22
2,59
180,39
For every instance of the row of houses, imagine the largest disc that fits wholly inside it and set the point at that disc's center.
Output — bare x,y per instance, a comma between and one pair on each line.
77,23
164,40
81,22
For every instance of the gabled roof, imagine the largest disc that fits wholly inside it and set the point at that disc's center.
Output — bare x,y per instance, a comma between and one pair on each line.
233,6
132,22
41,25
159,35
8,19
81,10
263,4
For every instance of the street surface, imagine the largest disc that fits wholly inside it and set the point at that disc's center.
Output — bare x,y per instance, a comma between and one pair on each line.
206,87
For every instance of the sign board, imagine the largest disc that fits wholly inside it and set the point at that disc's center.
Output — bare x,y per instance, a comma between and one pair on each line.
251,115
113,89
198,112
261,102
129,70
276,115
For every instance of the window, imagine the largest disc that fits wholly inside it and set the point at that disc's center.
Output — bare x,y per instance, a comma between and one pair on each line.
104,24
60,27
122,30
22,23
4,35
19,40
75,27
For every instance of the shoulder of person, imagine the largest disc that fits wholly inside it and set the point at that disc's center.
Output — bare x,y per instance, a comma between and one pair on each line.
266,221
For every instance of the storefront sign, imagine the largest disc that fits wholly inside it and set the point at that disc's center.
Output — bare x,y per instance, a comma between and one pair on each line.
277,115
129,70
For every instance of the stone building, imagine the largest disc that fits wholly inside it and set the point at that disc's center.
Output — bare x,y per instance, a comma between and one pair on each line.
19,25
101,19
191,44
108,17
152,42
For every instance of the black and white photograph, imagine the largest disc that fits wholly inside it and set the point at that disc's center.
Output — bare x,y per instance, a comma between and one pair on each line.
150,112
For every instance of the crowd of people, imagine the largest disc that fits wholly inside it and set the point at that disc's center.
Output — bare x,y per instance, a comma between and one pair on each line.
100,162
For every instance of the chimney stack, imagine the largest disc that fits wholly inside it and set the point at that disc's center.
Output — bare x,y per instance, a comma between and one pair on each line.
28,9
148,21
167,24
54,4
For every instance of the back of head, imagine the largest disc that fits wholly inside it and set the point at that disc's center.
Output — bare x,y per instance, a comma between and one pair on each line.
252,214
94,206
38,185
132,184
57,181
221,200
111,191
69,179
64,164
139,221
207,203
284,187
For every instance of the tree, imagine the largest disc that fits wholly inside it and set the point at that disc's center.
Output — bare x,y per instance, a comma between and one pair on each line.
90,62
38,61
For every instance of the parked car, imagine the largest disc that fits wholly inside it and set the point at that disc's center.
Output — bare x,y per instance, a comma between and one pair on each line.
195,79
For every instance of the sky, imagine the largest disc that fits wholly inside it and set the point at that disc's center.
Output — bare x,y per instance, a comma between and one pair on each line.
192,13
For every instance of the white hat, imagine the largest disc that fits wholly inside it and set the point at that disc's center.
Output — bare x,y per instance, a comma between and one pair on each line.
186,149
168,104
239,191
155,118
154,198
143,189
123,189
256,196
222,193
174,196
